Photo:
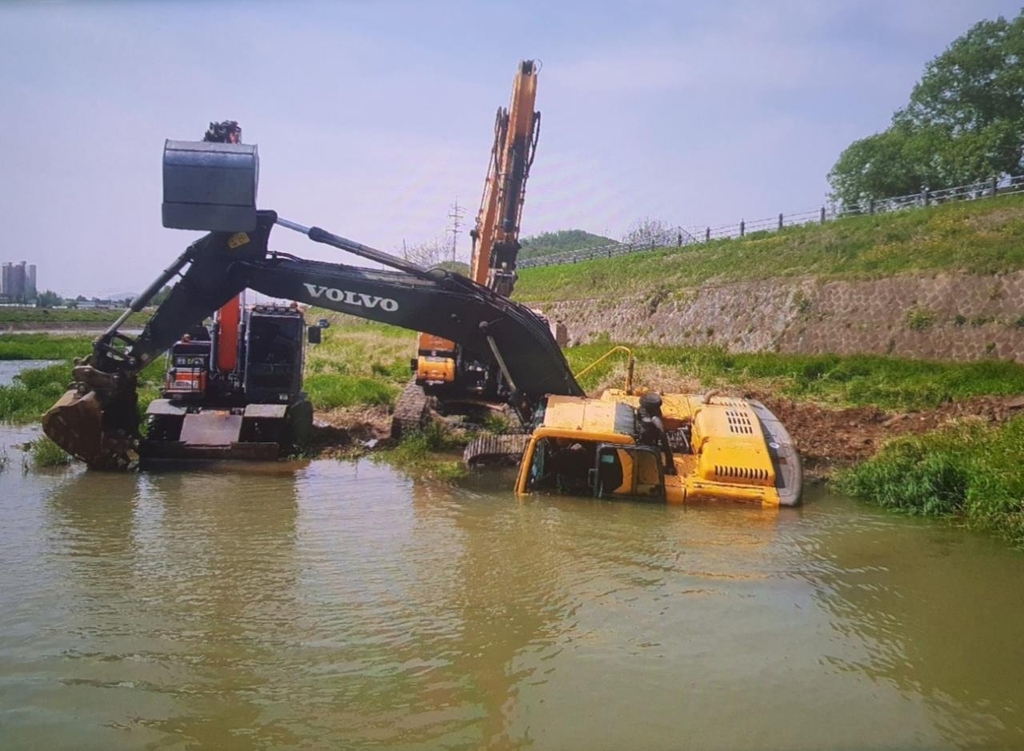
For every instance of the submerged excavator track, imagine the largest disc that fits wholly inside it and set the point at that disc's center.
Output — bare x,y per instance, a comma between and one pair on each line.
496,449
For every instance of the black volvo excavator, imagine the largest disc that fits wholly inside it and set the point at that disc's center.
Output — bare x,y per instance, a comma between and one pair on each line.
212,186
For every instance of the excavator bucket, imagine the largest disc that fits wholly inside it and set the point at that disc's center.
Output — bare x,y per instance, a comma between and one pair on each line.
94,432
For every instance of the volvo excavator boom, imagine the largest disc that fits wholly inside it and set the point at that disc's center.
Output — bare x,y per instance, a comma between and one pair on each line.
97,421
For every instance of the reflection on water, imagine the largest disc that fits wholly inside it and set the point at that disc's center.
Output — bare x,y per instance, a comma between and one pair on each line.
343,605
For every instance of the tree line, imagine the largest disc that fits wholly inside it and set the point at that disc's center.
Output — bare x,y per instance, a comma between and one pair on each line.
964,123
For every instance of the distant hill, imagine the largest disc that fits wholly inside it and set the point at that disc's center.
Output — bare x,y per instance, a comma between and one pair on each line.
562,241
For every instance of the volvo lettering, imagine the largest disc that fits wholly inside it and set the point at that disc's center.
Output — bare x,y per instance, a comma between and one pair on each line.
360,299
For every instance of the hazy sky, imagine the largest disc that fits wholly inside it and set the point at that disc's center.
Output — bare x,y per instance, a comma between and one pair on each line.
373,117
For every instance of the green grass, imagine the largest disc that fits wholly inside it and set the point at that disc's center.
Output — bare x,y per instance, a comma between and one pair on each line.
357,362
417,453
331,390
46,453
889,383
43,347
969,470
368,365
33,392
978,237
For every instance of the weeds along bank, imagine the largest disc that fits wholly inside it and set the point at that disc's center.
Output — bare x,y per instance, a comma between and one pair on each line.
969,470
358,363
35,390
941,283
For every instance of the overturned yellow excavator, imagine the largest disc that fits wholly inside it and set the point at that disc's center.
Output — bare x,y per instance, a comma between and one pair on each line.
717,448
637,444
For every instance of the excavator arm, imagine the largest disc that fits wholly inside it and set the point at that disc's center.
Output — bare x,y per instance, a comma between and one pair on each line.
96,420
496,235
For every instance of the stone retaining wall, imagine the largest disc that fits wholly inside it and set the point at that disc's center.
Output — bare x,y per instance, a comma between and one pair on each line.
947,316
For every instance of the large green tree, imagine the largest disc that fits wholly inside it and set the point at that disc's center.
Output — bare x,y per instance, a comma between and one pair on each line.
964,122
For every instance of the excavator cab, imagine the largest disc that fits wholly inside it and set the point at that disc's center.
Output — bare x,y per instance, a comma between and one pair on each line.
188,369
273,354
581,466
435,362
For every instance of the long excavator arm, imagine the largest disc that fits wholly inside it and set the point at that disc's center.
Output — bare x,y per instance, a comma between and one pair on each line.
97,420
496,235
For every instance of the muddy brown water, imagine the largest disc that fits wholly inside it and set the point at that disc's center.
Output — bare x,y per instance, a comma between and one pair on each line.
344,605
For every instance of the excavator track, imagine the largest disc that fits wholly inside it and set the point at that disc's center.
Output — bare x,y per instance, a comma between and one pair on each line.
412,410
495,449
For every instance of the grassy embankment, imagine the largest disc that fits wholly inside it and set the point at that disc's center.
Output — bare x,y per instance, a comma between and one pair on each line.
968,470
43,347
831,380
358,363
35,390
982,237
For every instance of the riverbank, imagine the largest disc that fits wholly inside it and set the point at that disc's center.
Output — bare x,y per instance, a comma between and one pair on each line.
939,283
839,409
842,411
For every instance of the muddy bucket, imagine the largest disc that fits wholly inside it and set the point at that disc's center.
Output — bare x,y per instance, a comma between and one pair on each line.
81,425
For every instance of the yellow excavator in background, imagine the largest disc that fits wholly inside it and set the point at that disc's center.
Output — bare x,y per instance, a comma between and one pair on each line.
496,235
443,371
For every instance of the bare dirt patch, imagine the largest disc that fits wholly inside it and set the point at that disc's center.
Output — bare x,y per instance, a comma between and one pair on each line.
830,438
349,431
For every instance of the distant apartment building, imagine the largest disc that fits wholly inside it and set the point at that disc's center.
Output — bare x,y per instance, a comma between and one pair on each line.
17,282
